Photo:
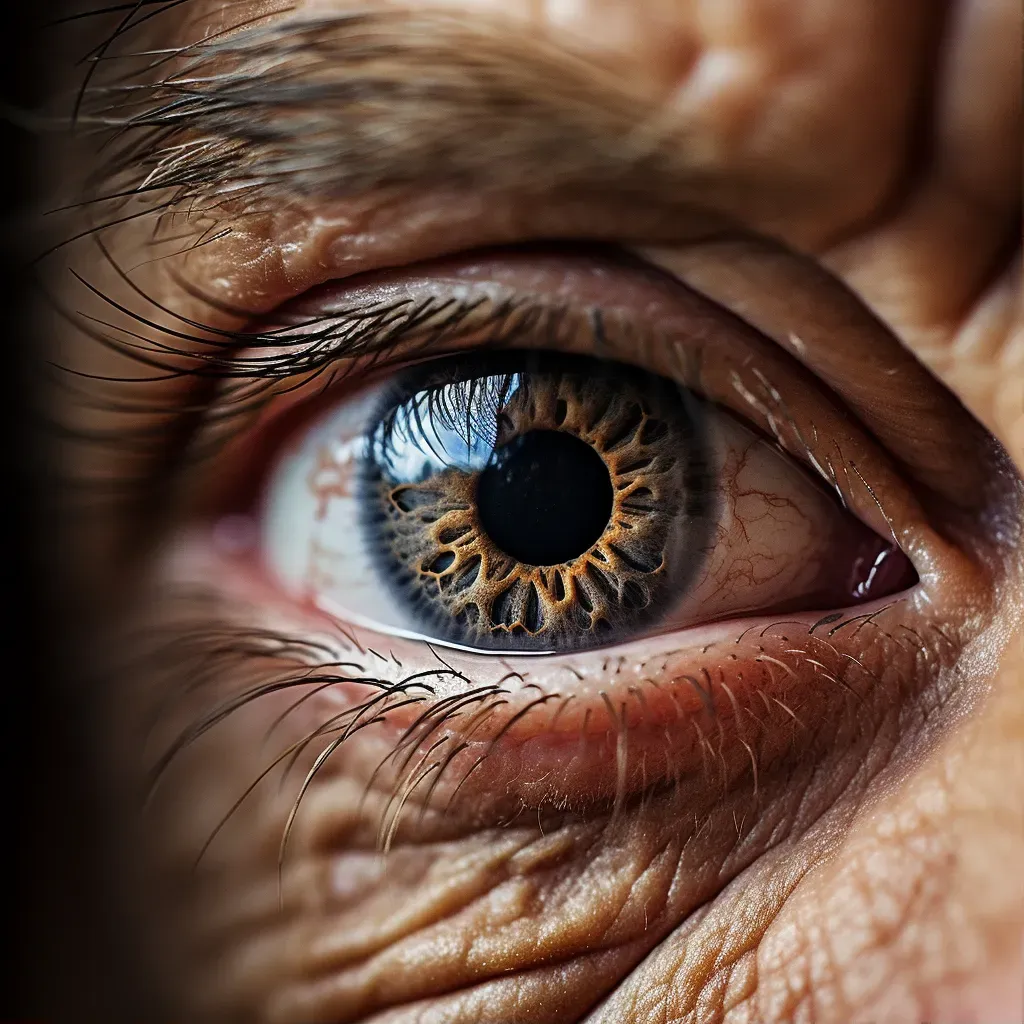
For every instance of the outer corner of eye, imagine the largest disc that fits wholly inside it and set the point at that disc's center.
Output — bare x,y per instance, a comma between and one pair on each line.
538,502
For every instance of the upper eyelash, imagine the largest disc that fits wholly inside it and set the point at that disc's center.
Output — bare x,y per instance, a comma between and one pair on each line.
236,362
369,330
240,377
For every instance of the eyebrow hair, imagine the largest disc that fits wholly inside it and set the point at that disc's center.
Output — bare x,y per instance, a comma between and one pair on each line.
338,105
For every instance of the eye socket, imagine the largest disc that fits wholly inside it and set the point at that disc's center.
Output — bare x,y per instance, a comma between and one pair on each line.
776,648
533,501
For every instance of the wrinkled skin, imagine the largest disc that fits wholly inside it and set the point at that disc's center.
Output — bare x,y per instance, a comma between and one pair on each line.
886,887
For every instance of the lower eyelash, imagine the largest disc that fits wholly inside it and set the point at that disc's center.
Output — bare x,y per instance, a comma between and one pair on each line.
446,728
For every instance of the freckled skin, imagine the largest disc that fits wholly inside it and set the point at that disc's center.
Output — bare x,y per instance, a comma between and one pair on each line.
815,899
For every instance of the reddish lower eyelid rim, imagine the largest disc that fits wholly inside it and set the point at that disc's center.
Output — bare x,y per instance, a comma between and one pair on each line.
737,692
593,740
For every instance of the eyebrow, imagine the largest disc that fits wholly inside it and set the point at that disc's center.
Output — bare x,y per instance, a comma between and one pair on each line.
343,104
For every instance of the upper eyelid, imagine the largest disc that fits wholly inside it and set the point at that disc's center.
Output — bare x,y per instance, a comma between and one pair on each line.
365,38
704,339
836,335
220,363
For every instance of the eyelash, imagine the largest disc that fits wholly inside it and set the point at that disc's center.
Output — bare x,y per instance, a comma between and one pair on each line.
211,652
370,330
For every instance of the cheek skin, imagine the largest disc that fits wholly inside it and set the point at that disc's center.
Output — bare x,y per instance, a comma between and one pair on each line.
466,908
910,910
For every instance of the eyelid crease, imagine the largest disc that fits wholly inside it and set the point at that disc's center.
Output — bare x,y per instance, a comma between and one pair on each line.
935,439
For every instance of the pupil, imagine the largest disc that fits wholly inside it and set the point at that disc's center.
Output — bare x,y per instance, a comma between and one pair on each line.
545,497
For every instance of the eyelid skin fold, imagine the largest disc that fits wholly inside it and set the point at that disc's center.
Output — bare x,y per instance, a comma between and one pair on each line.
809,313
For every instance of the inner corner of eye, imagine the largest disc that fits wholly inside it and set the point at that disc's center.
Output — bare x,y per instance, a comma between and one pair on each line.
540,502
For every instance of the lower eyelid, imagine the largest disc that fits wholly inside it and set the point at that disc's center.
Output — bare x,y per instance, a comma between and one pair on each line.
482,738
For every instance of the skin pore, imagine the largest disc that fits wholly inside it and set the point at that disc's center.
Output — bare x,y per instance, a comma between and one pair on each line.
826,197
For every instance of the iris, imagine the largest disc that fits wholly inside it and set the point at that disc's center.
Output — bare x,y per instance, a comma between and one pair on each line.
528,501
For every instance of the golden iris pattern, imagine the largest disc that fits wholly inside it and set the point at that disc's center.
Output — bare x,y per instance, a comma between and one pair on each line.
555,453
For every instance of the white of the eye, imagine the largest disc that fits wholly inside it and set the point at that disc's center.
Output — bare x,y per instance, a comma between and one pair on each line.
311,536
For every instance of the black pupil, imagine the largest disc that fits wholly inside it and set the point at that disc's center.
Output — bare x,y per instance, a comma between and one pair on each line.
545,497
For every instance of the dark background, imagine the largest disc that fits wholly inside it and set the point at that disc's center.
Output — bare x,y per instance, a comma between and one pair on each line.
66,953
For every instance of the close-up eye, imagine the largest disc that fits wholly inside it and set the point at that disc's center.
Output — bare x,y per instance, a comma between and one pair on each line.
524,542
537,502
524,516
574,455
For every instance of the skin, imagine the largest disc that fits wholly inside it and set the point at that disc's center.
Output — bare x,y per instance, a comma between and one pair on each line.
884,889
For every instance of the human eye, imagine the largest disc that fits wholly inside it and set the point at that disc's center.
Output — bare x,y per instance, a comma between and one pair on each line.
776,562
529,500
511,558
817,594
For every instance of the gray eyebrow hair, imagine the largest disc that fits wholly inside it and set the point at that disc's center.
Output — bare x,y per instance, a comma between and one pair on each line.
339,105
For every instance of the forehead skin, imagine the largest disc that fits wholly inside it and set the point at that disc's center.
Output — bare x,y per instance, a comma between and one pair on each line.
930,874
